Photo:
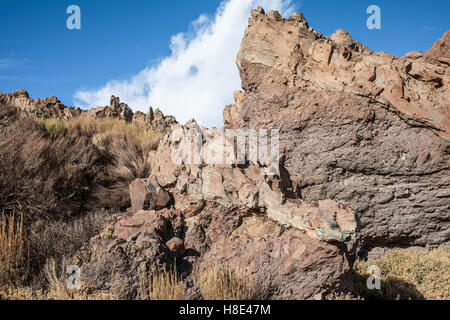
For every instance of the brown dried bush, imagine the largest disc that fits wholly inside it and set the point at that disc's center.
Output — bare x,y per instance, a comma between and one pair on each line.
54,168
162,284
12,251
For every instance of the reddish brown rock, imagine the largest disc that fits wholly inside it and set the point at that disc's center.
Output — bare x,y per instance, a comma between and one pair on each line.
142,221
176,247
146,194
441,48
366,129
285,263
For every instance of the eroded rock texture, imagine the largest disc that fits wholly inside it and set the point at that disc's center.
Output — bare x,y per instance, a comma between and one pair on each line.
366,129
201,214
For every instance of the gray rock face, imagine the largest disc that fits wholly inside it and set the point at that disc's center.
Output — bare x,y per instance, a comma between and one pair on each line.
372,148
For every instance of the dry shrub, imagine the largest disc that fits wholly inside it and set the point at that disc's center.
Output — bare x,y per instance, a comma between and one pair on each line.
41,177
225,284
58,238
91,126
57,287
161,285
125,147
20,293
408,274
54,167
12,251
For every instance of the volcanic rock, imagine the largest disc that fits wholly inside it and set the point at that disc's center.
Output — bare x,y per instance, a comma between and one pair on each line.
367,129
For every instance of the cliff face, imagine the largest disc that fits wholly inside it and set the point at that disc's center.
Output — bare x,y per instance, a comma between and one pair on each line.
364,128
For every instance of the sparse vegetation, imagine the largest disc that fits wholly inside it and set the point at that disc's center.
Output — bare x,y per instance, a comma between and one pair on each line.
56,288
408,274
55,167
162,284
225,284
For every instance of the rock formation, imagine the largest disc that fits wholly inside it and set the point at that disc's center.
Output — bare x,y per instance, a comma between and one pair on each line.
366,129
364,164
45,108
225,215
53,108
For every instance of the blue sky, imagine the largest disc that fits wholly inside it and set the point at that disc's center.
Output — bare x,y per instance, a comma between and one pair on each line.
123,43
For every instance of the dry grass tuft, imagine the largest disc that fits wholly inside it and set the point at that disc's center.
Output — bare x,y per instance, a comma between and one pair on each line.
12,249
161,285
90,127
57,285
52,127
225,284
408,274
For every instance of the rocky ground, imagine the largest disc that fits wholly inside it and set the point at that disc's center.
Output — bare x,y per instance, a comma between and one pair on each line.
364,167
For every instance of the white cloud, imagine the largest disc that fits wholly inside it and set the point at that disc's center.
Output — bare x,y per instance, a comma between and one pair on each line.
6,63
199,77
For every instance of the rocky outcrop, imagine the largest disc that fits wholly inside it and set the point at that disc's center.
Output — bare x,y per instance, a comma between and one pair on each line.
116,109
364,164
45,108
366,129
195,184
228,216
441,48
415,86
157,121
121,263
53,108
284,262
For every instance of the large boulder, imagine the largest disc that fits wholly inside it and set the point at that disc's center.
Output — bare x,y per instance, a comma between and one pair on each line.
282,263
366,129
